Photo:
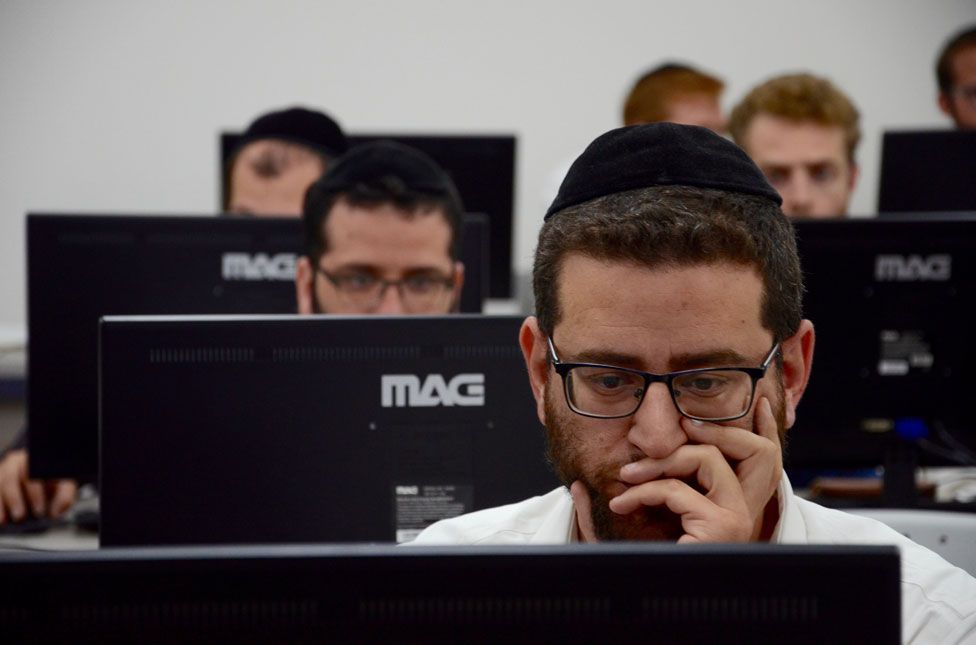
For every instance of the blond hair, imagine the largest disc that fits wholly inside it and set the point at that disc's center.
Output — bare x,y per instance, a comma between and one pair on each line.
798,97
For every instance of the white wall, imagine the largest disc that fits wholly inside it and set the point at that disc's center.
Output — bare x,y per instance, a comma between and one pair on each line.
112,105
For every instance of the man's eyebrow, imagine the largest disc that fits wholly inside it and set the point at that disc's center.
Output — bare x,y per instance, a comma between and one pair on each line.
377,270
677,362
604,357
711,358
355,267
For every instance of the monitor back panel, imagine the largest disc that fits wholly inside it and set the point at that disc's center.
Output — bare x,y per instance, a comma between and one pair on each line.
592,593
892,303
924,171
80,267
290,429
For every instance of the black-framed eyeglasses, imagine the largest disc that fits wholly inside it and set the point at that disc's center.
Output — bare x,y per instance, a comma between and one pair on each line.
706,394
419,293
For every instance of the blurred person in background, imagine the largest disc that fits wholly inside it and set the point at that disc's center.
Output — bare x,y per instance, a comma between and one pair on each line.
802,132
278,157
677,93
955,71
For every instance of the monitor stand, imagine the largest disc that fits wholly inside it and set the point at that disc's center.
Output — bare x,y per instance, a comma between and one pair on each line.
901,462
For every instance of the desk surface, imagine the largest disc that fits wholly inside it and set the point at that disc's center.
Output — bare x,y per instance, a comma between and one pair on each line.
60,538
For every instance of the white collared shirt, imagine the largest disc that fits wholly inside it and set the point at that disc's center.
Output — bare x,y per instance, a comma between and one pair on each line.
938,599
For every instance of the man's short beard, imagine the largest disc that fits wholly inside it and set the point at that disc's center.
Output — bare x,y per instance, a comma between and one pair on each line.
565,453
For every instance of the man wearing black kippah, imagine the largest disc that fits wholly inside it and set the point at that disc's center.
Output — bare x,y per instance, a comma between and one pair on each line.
382,235
667,358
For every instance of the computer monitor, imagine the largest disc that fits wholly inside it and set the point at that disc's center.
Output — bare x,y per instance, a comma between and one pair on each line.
81,267
311,428
476,255
482,167
368,594
892,306
926,171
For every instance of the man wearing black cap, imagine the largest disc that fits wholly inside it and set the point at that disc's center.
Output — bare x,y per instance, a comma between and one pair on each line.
280,154
667,359
382,233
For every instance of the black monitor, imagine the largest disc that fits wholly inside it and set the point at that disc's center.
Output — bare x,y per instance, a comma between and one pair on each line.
482,167
926,171
81,267
892,303
556,594
311,428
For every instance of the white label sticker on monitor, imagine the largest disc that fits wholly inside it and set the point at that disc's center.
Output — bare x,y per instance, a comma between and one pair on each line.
904,352
418,506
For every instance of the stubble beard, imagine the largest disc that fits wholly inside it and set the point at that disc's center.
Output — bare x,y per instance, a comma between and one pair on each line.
565,451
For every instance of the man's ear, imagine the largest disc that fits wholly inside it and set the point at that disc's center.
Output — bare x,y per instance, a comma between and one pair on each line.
458,286
797,353
304,284
945,105
534,350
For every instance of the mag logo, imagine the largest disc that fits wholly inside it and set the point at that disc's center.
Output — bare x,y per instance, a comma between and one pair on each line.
913,268
410,391
257,267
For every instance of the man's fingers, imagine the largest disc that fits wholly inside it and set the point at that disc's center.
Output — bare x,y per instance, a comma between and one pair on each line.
701,518
584,516
735,443
13,470
62,494
757,452
13,500
766,425
678,496
35,497
705,463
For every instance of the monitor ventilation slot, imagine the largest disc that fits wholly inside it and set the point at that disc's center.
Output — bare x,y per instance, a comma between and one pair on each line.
331,354
198,355
484,609
790,609
463,352
200,614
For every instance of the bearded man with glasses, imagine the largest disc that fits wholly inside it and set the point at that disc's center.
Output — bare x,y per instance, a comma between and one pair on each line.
667,356
382,234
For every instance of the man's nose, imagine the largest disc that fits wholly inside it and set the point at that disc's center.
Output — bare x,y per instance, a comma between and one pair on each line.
798,197
656,426
391,303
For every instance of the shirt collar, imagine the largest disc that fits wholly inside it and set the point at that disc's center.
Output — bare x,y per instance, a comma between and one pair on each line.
790,529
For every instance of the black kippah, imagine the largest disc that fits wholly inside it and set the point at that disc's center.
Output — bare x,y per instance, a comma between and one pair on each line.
659,154
367,162
305,127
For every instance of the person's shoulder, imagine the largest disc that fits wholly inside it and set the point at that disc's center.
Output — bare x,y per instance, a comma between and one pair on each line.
537,520
937,596
832,526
